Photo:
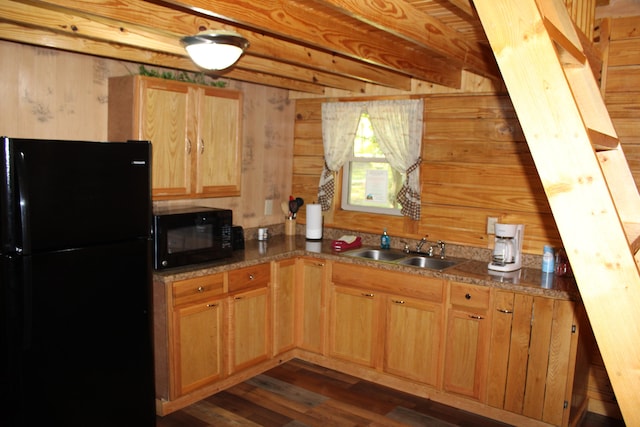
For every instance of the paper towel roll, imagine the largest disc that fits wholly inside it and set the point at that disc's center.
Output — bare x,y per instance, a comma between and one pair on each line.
314,222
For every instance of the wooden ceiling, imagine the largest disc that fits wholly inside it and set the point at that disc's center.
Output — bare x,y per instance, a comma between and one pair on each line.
306,45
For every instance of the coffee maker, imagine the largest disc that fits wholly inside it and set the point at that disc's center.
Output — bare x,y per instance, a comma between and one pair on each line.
507,251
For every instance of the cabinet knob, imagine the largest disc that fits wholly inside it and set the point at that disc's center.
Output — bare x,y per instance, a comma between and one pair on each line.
367,295
251,277
200,289
212,305
475,316
504,310
467,296
398,301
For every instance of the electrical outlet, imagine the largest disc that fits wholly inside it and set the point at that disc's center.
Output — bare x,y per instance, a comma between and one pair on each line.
491,224
268,207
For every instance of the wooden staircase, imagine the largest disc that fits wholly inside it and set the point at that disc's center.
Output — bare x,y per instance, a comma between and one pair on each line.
584,172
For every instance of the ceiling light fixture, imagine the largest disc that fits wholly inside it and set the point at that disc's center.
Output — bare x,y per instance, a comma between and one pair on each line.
215,50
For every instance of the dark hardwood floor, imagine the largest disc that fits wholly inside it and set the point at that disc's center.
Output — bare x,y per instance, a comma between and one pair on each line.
298,394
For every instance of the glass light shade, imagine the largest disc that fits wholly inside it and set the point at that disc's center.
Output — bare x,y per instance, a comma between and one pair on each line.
215,50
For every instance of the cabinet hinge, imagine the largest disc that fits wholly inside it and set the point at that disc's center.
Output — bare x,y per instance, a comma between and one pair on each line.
573,329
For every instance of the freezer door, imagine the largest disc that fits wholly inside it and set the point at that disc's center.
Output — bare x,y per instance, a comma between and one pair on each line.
79,349
71,194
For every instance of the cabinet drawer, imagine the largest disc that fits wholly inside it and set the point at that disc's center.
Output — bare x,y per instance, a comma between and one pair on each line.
470,296
397,283
190,290
249,277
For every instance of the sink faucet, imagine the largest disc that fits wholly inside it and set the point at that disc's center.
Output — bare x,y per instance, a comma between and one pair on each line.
442,246
421,243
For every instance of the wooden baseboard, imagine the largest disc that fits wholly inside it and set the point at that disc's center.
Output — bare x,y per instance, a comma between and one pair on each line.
165,407
419,389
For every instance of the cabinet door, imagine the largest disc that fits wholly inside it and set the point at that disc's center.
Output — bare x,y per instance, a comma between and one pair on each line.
164,120
219,147
467,340
532,362
413,338
250,328
313,282
197,345
354,325
284,306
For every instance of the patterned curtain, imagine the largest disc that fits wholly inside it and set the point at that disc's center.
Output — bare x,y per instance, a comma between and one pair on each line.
339,127
397,126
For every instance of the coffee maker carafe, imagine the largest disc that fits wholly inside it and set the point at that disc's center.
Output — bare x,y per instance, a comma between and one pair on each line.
507,251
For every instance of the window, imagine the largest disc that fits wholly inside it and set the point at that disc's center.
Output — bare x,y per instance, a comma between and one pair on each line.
369,183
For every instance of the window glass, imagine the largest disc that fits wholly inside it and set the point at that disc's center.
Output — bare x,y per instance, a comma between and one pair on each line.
369,183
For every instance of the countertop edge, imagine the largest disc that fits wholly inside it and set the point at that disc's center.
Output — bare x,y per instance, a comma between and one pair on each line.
526,280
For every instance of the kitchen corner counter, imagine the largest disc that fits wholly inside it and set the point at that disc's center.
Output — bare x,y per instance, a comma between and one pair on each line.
527,280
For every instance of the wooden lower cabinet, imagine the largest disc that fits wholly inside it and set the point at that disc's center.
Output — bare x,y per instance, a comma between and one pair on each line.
355,324
533,357
189,334
508,355
198,344
250,316
467,343
312,277
413,338
390,321
284,305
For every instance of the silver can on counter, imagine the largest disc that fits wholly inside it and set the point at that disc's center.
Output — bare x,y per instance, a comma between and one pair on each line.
263,233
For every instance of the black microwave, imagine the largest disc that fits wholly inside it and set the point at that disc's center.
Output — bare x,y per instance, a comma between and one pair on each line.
185,236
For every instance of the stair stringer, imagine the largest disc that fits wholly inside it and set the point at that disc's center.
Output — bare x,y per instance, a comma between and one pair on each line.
591,229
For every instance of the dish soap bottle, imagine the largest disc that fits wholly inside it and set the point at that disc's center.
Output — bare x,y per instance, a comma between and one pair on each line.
385,240
548,260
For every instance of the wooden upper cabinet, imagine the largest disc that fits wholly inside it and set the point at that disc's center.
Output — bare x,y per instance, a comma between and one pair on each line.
195,132
219,156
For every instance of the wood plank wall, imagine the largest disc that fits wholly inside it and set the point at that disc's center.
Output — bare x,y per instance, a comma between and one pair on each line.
622,85
475,164
47,93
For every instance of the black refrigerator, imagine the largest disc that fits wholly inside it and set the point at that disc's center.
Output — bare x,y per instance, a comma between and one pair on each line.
75,284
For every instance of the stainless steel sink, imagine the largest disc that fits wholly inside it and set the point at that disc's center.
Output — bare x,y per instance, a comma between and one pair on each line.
376,254
427,262
402,258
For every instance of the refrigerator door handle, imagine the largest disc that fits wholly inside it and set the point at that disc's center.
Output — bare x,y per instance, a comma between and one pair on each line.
23,247
27,307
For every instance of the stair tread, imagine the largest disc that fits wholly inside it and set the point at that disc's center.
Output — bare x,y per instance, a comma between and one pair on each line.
569,53
632,231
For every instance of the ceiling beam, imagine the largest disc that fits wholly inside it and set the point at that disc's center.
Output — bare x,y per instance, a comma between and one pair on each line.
109,31
406,22
177,24
313,26
27,35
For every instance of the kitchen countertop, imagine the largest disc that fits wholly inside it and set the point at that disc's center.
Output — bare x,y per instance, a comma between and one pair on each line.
528,280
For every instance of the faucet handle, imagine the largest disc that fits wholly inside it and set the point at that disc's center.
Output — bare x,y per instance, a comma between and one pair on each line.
406,247
442,246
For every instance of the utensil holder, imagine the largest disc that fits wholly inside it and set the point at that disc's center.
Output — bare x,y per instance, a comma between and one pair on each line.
290,227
